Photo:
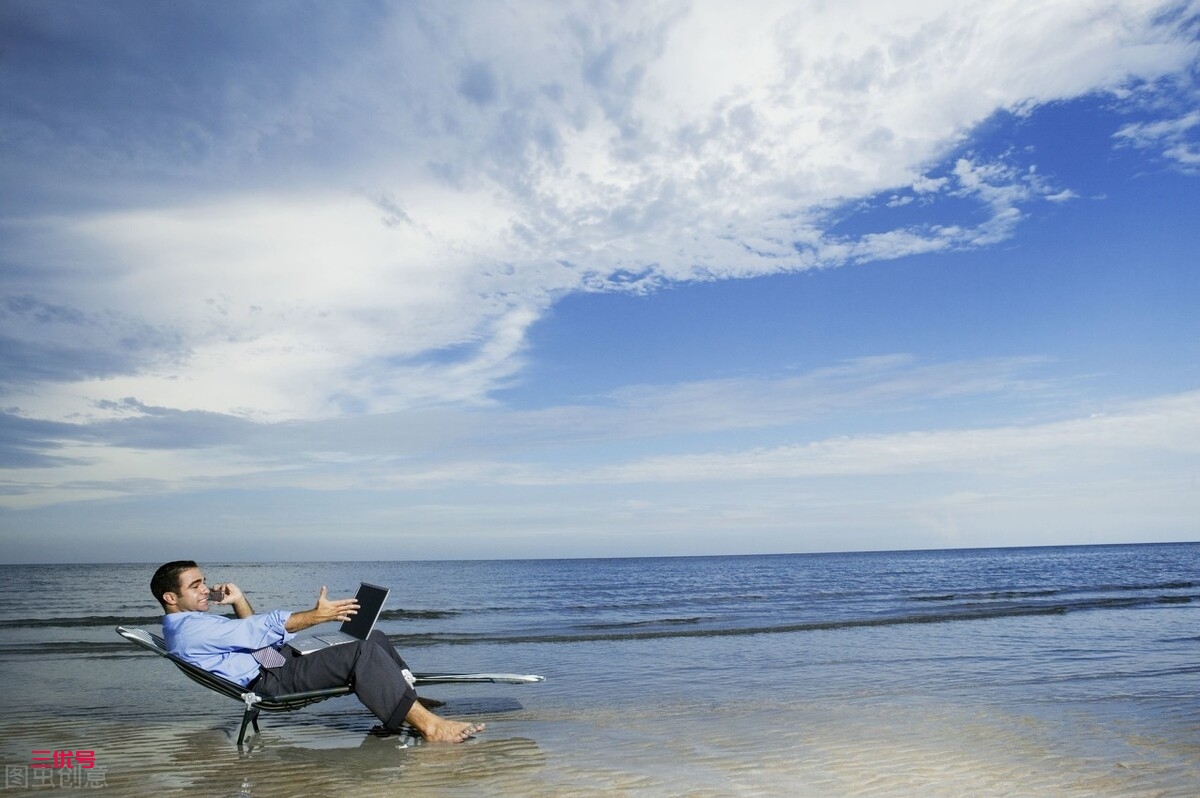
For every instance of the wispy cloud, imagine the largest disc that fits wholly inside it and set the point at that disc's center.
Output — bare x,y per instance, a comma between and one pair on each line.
251,249
1090,477
1164,431
1177,139
56,343
370,211
136,444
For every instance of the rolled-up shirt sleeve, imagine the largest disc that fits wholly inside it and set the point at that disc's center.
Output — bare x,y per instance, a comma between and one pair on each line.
223,645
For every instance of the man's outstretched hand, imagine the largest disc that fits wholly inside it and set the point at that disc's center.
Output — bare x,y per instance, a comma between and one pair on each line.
334,609
327,609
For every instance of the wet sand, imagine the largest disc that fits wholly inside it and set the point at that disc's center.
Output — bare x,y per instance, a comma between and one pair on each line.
888,748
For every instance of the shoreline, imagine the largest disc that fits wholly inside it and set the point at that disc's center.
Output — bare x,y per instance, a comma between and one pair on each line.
899,746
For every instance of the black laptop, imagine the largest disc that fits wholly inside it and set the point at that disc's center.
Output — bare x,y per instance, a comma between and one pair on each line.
370,604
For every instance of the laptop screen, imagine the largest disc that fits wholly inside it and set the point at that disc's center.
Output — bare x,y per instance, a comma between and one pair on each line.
370,603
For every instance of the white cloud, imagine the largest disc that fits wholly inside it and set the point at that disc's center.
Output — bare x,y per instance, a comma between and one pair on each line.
460,447
411,208
155,450
1166,430
1178,139
1042,472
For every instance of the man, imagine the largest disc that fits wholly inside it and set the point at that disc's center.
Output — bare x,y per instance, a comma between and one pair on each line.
229,648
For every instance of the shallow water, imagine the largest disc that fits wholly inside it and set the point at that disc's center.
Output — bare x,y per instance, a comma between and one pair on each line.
1064,671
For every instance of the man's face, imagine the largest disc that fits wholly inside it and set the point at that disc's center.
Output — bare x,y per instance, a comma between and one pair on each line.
192,593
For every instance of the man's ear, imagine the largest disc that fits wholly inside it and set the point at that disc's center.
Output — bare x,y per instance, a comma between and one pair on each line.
170,599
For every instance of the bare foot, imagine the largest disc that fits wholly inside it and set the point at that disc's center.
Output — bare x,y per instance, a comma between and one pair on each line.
451,731
440,730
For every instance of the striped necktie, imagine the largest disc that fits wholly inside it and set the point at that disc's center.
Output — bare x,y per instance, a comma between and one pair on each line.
269,657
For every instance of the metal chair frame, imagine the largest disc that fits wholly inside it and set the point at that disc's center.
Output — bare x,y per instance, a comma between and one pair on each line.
290,702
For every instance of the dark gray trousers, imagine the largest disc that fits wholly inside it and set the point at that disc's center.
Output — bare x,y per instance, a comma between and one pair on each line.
372,668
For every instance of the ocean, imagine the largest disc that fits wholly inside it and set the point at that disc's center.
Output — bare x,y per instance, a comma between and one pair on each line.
1037,671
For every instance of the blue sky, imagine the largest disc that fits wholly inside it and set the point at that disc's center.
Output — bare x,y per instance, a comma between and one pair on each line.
458,280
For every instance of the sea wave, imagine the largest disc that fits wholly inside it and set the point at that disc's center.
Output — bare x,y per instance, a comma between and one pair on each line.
677,628
754,620
91,621
70,622
990,595
417,615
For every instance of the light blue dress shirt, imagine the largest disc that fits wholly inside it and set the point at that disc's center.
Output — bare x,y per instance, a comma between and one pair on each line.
223,645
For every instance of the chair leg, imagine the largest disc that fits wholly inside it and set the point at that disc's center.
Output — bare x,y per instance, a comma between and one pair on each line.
248,717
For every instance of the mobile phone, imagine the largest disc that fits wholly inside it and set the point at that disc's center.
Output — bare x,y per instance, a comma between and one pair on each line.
215,594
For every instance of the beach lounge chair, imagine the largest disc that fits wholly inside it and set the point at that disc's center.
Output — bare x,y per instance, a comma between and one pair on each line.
255,703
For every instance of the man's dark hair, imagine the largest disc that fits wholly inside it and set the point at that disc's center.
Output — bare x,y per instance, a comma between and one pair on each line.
166,579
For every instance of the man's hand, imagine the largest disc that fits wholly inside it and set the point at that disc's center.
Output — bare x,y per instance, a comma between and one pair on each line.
334,610
231,594
225,593
326,610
